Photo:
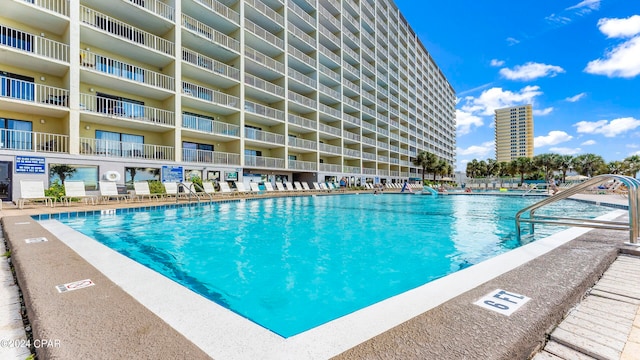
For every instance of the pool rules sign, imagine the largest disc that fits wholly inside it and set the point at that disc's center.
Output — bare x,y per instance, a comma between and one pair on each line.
503,302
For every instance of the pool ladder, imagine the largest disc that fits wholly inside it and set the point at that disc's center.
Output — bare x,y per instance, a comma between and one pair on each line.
191,192
634,216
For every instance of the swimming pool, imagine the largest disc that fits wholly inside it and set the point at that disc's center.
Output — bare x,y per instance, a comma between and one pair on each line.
290,264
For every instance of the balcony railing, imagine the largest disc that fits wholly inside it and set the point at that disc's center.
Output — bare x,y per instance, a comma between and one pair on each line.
210,95
301,13
33,44
303,100
58,6
329,91
263,59
351,169
330,73
210,33
156,7
221,9
302,35
263,85
31,92
33,141
124,109
120,149
330,168
302,78
210,64
302,165
330,129
352,136
266,11
330,148
331,111
89,60
193,122
351,152
210,157
368,171
302,143
265,111
263,34
254,134
125,31
304,122
292,50
267,162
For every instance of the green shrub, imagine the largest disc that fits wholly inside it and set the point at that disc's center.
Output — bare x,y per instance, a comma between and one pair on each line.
156,187
56,190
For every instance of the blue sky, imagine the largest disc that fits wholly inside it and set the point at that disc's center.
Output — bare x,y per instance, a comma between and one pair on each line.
576,61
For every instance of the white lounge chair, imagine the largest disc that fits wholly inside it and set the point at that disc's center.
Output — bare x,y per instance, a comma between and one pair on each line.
305,186
208,188
316,186
255,188
33,190
171,190
141,189
75,190
298,186
225,189
289,187
109,190
268,187
280,187
241,189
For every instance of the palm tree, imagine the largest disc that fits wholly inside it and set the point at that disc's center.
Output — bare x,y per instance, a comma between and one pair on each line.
633,165
522,165
441,168
426,161
63,171
616,167
473,168
589,164
547,163
565,163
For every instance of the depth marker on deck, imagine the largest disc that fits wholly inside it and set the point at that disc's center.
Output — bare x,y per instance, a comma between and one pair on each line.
75,285
503,302
36,240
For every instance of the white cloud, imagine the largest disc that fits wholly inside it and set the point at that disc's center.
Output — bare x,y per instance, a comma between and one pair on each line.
496,62
635,153
481,150
531,71
554,137
497,98
607,128
620,28
576,98
565,150
466,120
512,41
588,143
632,146
586,6
558,19
624,59
543,112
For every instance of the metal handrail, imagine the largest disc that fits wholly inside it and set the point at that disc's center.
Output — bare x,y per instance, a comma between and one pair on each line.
634,214
185,186
203,191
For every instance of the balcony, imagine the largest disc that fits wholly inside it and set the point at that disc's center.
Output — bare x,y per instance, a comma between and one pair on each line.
330,129
260,7
302,100
352,153
335,168
264,85
112,33
332,149
210,157
302,165
264,162
302,143
53,13
259,111
48,56
219,9
351,136
263,136
20,140
209,96
264,60
302,122
351,119
213,66
369,171
99,108
331,111
15,94
351,169
120,149
304,58
210,34
131,74
302,78
263,35
209,126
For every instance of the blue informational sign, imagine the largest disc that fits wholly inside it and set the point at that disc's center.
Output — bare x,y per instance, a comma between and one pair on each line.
172,174
30,165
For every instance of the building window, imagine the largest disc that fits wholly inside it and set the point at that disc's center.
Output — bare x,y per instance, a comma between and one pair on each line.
16,134
196,152
119,144
119,106
16,86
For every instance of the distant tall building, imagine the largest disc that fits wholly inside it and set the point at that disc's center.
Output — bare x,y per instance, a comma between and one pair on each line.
514,132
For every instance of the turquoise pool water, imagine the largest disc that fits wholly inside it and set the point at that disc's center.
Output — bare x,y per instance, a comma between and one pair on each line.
290,264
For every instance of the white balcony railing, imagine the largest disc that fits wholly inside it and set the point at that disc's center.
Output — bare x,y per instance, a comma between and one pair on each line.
352,152
57,6
120,149
157,7
302,78
263,85
210,157
263,59
265,111
292,50
303,100
302,143
126,71
302,165
265,10
221,9
351,169
263,34
124,109
302,35
330,129
37,45
125,31
207,125
267,162
210,64
304,122
33,141
331,111
330,148
210,33
368,171
33,93
330,168
301,13
264,136
210,95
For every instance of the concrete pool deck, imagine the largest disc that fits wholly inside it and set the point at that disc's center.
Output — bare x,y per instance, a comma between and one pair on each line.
104,321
